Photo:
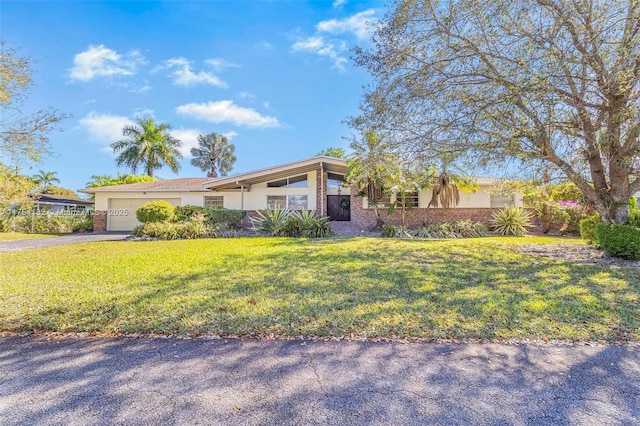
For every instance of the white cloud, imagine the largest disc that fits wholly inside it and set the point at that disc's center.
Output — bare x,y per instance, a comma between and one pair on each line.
219,64
230,135
264,45
246,95
357,24
100,61
189,139
321,47
227,112
183,74
337,4
104,128
142,89
144,112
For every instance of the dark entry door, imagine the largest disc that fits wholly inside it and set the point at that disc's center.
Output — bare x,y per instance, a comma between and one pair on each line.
339,207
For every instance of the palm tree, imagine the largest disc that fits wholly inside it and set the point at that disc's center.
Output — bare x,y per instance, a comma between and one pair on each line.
147,144
44,179
370,166
213,155
447,187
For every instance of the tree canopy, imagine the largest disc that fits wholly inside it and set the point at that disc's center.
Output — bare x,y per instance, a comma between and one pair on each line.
119,179
538,81
333,152
149,145
44,179
214,155
23,136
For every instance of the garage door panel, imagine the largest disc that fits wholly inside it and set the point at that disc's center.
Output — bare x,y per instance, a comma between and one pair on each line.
122,212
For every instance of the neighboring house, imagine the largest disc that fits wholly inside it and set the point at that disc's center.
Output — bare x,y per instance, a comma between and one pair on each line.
315,184
60,203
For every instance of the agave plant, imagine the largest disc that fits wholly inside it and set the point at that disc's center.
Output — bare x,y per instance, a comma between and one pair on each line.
511,220
270,222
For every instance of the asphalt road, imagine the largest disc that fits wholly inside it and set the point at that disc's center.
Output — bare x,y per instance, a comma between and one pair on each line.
34,243
79,381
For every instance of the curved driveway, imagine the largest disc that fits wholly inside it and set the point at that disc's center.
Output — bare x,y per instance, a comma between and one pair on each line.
35,243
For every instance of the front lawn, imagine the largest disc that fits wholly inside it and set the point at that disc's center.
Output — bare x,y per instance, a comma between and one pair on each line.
355,287
9,236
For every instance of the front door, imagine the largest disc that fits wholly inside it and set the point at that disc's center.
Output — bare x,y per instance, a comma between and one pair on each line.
339,207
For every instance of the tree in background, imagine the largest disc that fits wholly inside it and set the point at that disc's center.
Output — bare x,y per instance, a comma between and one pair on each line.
14,188
119,179
149,145
58,190
372,162
535,81
22,137
332,152
44,179
214,155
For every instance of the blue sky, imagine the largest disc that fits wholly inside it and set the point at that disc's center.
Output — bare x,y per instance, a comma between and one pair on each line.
275,76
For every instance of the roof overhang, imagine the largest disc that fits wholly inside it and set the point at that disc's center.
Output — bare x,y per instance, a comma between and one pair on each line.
244,181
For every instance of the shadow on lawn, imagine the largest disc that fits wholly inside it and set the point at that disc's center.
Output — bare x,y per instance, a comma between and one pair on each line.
167,381
364,288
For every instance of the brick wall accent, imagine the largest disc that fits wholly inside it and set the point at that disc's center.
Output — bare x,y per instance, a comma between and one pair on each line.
99,221
321,193
365,218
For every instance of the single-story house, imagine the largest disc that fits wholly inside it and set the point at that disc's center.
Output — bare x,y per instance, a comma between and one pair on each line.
314,184
60,203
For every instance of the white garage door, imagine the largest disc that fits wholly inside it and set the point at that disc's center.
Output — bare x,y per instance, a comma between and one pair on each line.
122,212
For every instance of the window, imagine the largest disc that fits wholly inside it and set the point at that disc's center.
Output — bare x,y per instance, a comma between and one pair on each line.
292,182
279,201
334,180
297,202
383,201
501,200
291,202
410,199
217,201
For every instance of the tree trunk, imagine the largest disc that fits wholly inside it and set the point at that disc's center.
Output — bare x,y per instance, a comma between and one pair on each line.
379,222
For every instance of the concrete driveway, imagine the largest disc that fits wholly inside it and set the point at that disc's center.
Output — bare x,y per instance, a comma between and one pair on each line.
35,243
166,381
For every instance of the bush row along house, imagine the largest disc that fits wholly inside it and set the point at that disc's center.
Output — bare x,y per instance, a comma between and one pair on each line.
316,183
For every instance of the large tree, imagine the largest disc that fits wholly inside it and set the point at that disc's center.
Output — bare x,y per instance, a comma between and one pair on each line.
550,81
148,144
23,136
214,155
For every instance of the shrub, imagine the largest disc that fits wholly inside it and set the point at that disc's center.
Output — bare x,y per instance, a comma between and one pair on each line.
195,227
634,212
511,220
228,218
182,213
439,231
270,222
155,211
84,226
619,240
225,218
287,223
388,231
588,229
469,229
50,223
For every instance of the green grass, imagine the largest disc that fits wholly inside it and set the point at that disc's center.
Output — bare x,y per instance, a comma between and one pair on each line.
354,287
9,236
